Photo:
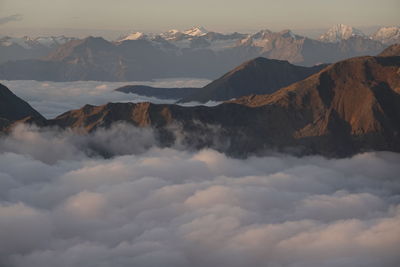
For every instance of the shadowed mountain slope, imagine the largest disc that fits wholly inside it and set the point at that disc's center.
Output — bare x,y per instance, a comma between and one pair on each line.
350,106
13,108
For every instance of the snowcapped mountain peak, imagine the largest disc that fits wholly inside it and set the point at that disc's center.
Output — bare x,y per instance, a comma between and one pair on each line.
340,32
196,31
173,31
387,35
53,41
133,36
26,42
30,43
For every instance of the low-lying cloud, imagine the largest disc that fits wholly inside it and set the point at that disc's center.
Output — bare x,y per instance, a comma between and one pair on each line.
54,98
156,206
50,145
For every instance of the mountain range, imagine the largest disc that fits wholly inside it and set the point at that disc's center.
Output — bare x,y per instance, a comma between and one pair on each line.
12,48
192,53
347,107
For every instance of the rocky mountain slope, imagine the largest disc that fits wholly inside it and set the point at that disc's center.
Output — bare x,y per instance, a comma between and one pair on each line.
350,106
393,50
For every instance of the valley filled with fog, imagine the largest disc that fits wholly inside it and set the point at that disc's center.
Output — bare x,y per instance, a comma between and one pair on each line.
54,98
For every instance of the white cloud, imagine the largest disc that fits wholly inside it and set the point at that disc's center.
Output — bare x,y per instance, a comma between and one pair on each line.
167,207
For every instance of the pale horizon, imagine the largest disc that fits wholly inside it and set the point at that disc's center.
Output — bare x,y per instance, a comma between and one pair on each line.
113,34
110,18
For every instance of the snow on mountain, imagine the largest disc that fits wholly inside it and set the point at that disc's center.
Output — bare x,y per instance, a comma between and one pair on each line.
133,36
340,32
26,42
266,38
176,35
173,35
30,43
53,41
259,39
387,35
196,31
199,37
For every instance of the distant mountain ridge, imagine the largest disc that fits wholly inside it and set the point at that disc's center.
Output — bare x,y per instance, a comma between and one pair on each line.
12,48
341,32
195,52
387,35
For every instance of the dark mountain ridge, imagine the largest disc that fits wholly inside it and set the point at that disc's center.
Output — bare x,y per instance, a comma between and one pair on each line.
13,108
256,76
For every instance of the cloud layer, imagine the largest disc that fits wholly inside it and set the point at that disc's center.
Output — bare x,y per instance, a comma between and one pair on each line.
167,207
54,98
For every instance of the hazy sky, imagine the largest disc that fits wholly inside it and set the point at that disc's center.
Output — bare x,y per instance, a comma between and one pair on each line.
222,15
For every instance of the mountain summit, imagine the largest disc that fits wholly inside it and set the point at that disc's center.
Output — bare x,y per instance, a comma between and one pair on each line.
340,32
387,35
196,31
257,76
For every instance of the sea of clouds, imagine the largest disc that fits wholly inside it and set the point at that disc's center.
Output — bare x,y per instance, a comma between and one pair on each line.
63,205
54,98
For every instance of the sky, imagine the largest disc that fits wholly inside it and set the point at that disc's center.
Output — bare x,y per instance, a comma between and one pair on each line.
159,15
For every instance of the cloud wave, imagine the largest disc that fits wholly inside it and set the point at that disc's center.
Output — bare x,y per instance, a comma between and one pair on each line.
154,206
